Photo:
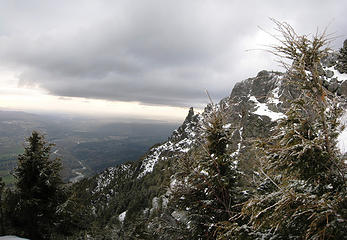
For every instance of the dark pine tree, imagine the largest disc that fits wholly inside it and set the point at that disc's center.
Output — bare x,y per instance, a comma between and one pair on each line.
38,188
209,183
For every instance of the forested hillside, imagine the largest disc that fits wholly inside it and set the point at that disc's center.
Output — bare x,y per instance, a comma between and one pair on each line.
266,162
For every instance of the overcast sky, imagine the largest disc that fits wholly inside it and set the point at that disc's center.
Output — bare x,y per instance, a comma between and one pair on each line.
143,54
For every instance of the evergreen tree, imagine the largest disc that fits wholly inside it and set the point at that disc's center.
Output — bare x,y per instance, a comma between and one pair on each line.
208,182
307,199
38,188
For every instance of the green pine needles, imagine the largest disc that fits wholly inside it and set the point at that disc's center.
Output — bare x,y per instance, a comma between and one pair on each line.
208,182
38,188
301,159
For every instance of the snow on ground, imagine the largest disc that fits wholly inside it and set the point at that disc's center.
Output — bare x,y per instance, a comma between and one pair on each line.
105,178
239,144
151,160
275,99
275,93
342,139
12,238
121,216
337,74
263,110
156,154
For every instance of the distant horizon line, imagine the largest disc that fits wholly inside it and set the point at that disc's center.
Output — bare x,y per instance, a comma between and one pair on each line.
102,117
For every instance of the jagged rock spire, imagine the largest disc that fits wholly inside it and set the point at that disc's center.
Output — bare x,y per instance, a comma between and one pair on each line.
190,115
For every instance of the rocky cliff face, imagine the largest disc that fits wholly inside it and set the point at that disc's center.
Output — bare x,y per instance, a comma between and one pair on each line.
251,111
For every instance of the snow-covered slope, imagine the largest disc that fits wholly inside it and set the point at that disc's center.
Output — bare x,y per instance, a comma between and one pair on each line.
251,110
142,189
180,142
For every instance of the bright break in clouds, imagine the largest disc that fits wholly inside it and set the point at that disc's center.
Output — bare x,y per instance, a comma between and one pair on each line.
151,52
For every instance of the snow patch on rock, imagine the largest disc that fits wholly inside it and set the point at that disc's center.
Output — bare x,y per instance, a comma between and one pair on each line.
122,216
239,144
337,74
275,96
342,138
263,110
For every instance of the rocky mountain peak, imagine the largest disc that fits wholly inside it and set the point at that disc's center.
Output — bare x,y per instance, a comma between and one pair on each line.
190,115
251,111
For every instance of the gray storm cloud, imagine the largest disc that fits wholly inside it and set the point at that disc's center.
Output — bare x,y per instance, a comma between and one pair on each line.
153,52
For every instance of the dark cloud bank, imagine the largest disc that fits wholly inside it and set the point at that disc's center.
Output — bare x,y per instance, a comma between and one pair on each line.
154,52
